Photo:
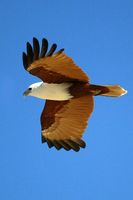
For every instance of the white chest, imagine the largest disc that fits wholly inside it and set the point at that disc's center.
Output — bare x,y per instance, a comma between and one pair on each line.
52,91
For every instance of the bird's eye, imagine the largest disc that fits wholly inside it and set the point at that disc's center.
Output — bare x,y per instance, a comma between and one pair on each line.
30,88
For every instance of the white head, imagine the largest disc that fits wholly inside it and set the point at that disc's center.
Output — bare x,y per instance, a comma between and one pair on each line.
33,89
51,91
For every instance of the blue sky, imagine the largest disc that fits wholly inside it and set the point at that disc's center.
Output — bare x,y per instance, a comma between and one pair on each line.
98,35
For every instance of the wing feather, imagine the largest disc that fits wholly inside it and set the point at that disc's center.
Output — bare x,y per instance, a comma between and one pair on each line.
44,48
58,125
65,145
52,49
57,145
25,60
49,66
36,49
29,53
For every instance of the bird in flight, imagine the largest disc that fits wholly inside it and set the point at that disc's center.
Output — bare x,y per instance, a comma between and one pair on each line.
68,94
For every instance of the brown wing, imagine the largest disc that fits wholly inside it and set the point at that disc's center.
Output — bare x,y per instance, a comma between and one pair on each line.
51,68
63,122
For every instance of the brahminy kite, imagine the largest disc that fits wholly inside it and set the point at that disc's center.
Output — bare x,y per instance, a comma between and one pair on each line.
68,94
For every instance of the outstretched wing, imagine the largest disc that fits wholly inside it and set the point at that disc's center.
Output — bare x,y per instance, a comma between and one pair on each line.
50,67
63,122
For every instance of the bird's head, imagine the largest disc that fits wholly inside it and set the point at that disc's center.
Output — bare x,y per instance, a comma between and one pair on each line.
32,89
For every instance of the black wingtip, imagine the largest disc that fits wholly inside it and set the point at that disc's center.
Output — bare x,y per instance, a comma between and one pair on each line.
57,145
29,53
33,53
60,51
25,60
52,49
43,139
81,143
68,145
35,39
50,144
36,48
73,145
44,48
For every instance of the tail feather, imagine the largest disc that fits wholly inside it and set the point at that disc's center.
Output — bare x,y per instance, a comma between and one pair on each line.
108,90
115,91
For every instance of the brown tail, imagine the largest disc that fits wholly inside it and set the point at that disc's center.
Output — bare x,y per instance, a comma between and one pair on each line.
107,90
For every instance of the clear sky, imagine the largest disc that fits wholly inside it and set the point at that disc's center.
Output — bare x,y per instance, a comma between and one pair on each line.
98,35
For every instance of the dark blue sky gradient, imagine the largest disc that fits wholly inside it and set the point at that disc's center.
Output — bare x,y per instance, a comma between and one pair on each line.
98,35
